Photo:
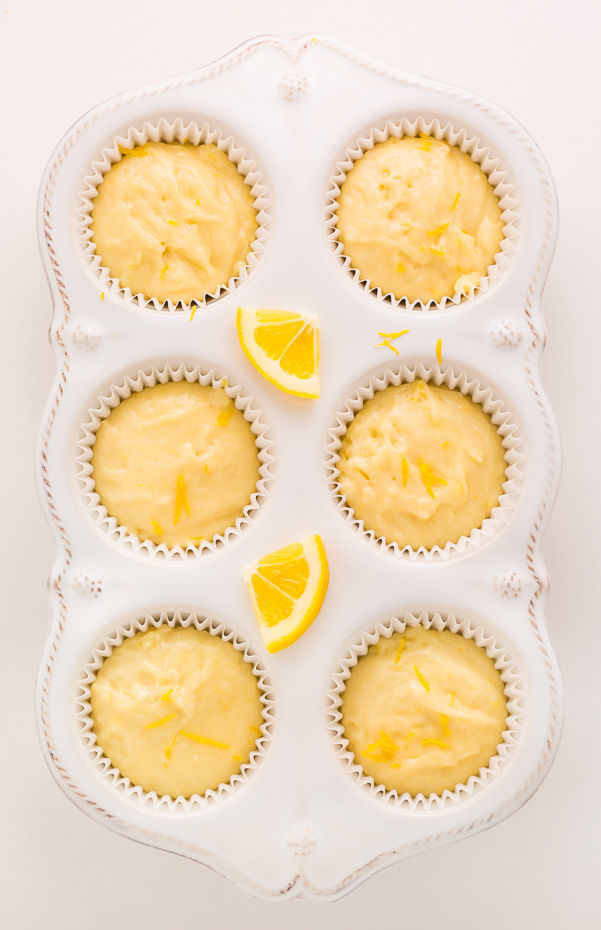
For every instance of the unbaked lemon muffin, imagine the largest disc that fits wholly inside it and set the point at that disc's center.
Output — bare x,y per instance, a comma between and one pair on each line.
424,711
176,710
173,221
419,219
421,465
175,463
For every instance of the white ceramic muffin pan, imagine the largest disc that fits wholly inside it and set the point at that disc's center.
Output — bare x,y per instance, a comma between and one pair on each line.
300,822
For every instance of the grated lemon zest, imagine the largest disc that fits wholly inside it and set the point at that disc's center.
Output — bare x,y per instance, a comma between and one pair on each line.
387,337
203,739
456,201
165,697
180,499
409,736
452,698
439,351
435,742
255,730
194,309
429,478
237,758
163,272
224,417
444,722
157,528
421,679
395,765
427,142
404,471
437,251
159,723
445,445
198,203
384,744
173,222
400,268
140,151
393,335
387,345
102,296
169,748
399,652
438,231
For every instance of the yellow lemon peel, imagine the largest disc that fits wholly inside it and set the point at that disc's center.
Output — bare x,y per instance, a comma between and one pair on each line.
384,745
438,231
194,309
456,201
224,416
404,471
157,528
159,723
203,739
421,679
439,351
397,658
140,151
388,337
165,697
435,742
429,478
180,499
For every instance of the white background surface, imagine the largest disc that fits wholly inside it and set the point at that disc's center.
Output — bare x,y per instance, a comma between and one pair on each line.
540,60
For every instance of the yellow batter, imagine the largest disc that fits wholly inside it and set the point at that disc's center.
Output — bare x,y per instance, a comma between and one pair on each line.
424,710
421,465
173,221
177,711
175,463
419,219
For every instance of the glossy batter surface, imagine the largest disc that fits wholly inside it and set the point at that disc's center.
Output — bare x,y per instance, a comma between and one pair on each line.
421,465
419,219
176,710
175,463
173,221
424,710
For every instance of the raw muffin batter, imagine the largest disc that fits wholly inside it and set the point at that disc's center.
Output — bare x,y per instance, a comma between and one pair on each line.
176,710
421,465
175,463
424,710
173,221
419,219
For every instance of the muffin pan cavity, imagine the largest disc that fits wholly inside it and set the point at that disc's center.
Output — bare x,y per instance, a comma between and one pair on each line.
109,399
165,131
298,826
103,765
491,405
514,695
479,152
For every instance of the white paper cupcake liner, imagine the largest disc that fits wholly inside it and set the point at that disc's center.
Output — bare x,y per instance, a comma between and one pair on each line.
514,693
103,765
111,398
483,156
480,394
165,131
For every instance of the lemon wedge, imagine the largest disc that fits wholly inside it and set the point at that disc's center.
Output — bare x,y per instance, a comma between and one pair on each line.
283,346
287,589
